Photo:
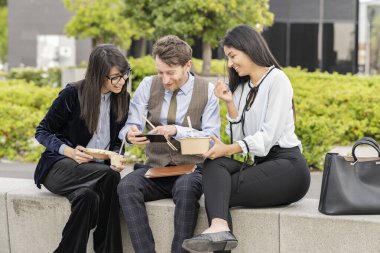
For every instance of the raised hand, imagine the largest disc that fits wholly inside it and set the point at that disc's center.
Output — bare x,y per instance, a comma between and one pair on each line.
222,91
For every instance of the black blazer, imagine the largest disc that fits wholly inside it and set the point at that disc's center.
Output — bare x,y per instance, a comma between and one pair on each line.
63,125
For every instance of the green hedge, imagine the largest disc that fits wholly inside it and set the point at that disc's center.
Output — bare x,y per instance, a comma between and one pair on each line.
41,77
332,109
22,107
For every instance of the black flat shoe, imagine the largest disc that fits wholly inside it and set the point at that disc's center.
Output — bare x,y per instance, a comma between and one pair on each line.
211,242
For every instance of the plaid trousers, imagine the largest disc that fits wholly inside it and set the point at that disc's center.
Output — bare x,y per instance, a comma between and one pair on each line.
134,189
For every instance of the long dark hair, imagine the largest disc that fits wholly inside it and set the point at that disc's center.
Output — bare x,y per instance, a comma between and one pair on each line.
102,59
248,40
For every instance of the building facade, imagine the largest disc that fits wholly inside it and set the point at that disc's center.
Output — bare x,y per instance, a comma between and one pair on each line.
37,37
315,34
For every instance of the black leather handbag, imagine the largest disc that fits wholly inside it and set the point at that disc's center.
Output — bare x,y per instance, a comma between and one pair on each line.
351,185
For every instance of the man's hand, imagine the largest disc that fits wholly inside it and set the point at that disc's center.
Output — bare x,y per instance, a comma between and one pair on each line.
77,154
167,130
131,135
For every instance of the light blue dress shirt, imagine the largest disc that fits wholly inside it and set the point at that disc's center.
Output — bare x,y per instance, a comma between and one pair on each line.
101,138
139,108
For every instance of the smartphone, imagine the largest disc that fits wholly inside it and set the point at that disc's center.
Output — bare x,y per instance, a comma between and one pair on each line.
153,137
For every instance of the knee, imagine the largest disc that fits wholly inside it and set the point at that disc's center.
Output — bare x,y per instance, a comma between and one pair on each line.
212,166
113,176
129,185
86,197
187,189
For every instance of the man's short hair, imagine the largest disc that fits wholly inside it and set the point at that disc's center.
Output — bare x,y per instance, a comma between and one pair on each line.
172,50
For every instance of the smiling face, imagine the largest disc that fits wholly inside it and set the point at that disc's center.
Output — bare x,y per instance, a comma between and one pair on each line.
239,61
116,87
172,76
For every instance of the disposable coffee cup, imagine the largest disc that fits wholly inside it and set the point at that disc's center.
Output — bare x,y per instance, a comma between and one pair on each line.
117,160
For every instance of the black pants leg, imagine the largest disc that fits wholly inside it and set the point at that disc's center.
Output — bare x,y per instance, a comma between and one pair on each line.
134,189
281,178
91,190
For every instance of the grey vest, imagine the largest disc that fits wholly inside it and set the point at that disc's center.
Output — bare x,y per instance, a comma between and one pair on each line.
160,154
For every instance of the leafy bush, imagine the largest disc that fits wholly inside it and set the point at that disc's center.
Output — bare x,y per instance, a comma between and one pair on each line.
40,77
141,67
334,109
218,67
23,107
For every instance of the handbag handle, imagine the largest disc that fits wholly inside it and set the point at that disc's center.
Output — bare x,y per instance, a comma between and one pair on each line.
367,141
370,140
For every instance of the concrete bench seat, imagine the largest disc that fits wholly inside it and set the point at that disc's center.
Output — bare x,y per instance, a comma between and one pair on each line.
31,220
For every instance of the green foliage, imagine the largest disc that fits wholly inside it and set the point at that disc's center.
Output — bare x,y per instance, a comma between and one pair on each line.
218,67
22,108
41,77
334,109
142,20
141,67
101,20
3,33
208,19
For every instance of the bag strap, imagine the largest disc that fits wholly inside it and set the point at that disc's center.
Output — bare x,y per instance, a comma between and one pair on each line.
371,140
365,141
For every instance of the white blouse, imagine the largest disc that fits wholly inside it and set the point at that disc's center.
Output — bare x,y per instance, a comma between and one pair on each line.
269,121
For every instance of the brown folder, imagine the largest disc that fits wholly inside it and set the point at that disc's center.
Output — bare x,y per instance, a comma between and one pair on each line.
170,171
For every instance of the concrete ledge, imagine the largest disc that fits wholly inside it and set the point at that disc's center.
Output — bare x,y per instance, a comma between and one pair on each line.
36,218
6,185
304,229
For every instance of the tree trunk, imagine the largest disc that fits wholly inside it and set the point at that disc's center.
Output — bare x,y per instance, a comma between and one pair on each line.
96,41
206,56
138,48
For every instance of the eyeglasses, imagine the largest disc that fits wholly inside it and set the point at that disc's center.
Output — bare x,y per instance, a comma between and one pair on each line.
116,79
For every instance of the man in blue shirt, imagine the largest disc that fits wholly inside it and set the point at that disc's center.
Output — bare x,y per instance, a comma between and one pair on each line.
166,100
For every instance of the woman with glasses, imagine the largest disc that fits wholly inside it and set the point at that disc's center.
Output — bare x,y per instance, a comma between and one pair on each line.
261,115
88,113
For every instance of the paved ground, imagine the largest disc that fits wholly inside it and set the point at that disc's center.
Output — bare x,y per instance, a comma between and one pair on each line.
26,170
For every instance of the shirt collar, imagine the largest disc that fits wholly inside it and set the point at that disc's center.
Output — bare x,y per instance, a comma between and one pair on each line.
106,96
186,88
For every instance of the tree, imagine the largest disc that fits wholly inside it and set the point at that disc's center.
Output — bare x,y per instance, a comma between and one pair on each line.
101,20
208,20
140,12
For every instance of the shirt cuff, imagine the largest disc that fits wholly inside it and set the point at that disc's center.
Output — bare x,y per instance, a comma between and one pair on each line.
123,133
181,132
62,149
233,120
243,147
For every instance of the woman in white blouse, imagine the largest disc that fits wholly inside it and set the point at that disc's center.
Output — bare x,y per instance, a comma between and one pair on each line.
259,100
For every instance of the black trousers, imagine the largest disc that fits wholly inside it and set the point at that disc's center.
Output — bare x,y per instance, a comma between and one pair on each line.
134,189
280,178
91,189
